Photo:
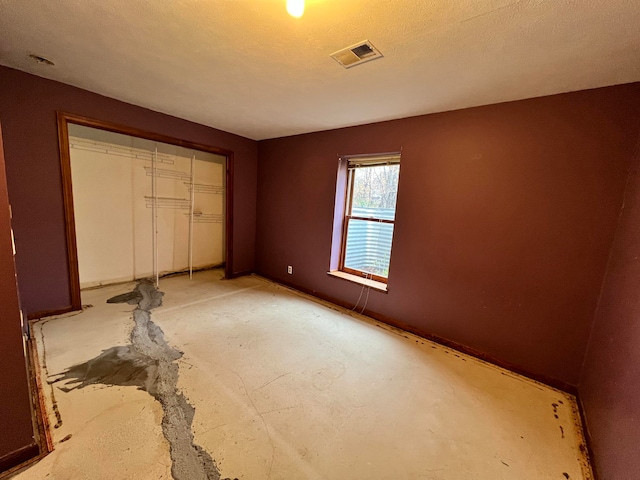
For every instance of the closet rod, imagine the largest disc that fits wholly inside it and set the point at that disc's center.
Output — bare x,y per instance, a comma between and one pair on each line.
154,218
193,197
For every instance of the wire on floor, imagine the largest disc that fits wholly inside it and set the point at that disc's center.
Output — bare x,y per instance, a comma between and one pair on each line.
367,276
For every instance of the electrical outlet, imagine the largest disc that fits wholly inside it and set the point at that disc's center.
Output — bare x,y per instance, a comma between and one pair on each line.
290,270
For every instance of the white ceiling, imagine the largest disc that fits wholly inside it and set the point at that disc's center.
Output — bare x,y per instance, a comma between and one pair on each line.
247,67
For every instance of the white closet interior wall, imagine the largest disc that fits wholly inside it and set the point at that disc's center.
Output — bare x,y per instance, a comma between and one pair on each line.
112,196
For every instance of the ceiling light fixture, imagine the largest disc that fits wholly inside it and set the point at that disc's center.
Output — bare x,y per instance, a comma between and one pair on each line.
295,8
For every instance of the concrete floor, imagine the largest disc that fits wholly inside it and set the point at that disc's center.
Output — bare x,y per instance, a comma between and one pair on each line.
286,387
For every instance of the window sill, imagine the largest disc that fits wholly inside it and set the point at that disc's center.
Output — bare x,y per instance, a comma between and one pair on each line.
380,286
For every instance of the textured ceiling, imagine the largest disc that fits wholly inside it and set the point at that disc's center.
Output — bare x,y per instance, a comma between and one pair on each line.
247,67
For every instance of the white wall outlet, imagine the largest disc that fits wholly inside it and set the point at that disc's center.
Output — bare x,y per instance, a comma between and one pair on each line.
290,270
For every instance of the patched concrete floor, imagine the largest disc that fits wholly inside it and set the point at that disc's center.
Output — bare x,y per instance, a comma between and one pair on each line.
287,387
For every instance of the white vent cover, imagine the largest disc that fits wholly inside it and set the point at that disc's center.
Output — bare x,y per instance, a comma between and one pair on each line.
356,54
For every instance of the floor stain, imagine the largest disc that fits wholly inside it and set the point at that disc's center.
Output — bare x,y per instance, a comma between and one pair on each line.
149,363
122,366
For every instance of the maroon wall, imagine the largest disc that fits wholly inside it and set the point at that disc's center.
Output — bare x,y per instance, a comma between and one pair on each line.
16,435
610,385
28,107
505,217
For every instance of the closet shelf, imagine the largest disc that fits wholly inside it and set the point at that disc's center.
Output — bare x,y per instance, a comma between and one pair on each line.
205,188
97,146
206,217
166,173
167,202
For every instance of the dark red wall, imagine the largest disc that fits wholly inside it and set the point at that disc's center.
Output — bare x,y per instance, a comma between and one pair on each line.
505,217
28,107
610,386
16,431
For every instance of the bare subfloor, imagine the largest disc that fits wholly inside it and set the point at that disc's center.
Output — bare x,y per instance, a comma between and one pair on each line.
283,387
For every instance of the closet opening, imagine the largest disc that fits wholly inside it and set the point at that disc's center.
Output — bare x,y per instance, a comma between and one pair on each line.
141,205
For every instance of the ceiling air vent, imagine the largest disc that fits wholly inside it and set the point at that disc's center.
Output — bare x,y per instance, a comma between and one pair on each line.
356,54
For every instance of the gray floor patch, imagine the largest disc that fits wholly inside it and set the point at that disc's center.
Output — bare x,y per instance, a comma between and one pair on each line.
149,363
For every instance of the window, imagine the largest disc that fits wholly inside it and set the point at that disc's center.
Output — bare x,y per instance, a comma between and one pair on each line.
369,215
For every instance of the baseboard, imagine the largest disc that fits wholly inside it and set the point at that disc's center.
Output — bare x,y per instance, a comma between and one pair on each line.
16,458
587,437
243,273
49,313
549,381
39,409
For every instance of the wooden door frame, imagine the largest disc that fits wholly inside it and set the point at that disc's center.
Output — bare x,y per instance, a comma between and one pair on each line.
64,119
